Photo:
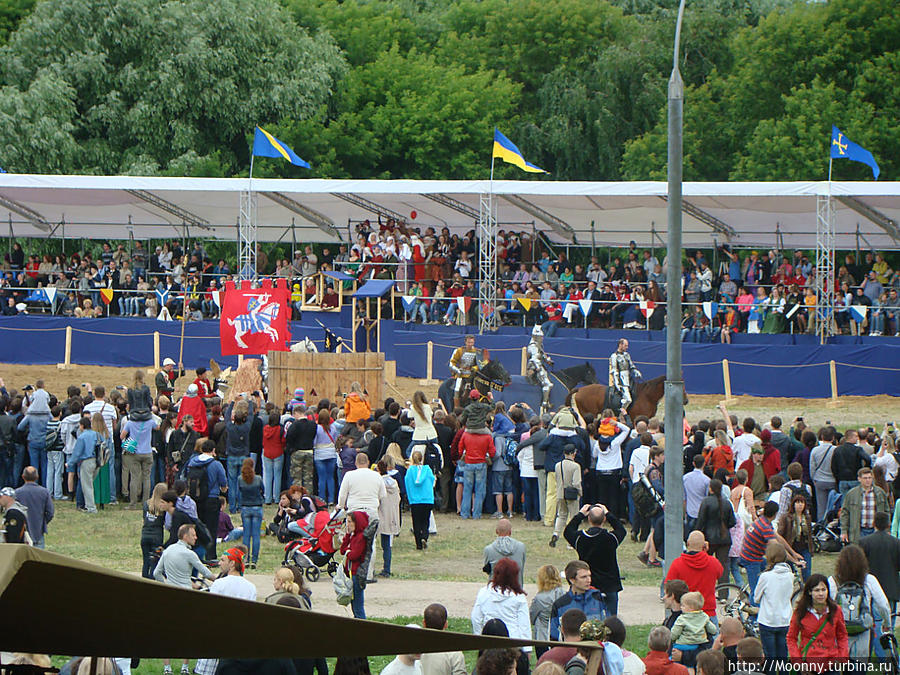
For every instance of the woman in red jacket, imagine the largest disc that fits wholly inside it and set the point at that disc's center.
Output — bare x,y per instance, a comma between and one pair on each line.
354,547
817,628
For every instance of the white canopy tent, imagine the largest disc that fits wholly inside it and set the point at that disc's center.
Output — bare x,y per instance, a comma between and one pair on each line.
742,214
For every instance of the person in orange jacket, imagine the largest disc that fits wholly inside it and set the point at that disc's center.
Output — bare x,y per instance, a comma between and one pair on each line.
356,405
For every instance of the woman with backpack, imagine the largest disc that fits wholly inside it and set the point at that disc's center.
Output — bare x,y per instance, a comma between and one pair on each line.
859,595
420,481
715,518
817,628
796,528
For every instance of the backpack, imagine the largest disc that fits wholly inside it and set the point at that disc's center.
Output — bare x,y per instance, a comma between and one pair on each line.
198,481
52,441
856,606
509,452
644,501
433,458
102,451
797,490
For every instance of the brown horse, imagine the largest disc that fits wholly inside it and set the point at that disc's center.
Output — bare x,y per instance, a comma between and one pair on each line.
646,398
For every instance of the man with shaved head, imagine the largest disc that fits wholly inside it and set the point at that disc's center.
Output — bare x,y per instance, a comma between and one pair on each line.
504,546
597,547
699,570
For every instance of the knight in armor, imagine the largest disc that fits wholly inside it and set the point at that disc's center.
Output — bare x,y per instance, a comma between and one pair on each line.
464,364
622,372
537,362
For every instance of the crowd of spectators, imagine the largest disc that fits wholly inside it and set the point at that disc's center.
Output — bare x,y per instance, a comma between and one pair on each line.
734,291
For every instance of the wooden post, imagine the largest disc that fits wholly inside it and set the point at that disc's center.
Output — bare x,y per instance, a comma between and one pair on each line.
524,367
832,368
353,305
67,357
726,377
156,350
378,325
240,360
429,361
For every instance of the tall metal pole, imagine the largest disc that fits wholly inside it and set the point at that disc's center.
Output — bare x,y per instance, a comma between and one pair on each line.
674,517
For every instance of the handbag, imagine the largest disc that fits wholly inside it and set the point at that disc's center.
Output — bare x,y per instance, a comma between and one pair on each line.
343,586
742,511
569,493
129,445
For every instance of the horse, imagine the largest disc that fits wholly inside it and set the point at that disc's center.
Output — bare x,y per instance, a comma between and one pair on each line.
645,398
304,346
492,376
524,390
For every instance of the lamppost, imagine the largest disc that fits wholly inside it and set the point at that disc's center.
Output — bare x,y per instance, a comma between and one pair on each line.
674,513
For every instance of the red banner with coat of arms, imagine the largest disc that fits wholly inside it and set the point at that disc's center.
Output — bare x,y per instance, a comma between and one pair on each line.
255,320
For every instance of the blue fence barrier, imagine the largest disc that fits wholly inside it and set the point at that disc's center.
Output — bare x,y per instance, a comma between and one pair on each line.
760,365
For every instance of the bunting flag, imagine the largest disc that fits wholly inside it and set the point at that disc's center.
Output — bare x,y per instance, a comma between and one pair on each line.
585,306
217,298
162,296
647,307
164,314
857,312
793,310
409,302
568,310
710,309
464,303
106,294
50,291
526,303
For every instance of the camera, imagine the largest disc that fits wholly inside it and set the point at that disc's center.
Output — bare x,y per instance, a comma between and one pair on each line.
28,387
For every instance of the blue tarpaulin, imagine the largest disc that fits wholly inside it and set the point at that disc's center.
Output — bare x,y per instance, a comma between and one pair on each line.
374,288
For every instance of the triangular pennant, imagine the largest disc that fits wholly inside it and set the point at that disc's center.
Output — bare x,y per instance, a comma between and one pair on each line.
585,306
464,303
106,294
647,307
857,312
217,298
164,314
162,296
526,303
710,309
408,302
50,291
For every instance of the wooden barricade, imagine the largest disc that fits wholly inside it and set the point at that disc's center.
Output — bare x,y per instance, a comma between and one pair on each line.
328,374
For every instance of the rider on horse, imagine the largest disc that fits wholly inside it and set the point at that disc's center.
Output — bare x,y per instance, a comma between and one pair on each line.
464,363
537,359
622,372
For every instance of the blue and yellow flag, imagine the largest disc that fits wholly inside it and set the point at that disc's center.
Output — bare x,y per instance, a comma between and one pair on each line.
506,150
843,148
266,145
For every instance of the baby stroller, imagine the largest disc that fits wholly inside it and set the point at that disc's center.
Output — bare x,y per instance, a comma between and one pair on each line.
315,552
827,532
889,645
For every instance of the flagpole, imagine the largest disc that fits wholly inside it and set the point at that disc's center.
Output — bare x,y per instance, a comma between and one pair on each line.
183,319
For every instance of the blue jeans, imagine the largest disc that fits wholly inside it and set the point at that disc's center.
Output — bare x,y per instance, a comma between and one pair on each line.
55,463
532,499
272,477
438,308
18,467
37,456
418,310
550,328
736,571
451,311
386,552
112,478
327,480
7,467
358,602
474,484
251,519
844,486
774,642
754,569
806,571
234,472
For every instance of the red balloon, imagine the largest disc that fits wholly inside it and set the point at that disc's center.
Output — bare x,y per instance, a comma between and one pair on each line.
413,215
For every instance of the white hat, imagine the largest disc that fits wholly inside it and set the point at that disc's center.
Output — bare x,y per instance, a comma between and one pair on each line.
536,331
192,390
168,362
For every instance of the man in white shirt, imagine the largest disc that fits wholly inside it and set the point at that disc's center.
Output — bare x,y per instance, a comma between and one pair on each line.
440,663
744,442
108,410
363,490
404,664
608,464
640,458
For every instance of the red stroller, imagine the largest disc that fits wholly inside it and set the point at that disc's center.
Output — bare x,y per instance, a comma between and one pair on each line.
315,552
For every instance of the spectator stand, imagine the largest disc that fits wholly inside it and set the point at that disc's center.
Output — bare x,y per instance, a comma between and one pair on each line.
363,315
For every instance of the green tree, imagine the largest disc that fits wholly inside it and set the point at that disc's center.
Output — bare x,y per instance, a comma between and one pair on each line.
406,116
11,14
156,85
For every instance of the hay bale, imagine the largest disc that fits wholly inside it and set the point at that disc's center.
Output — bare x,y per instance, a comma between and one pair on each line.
246,378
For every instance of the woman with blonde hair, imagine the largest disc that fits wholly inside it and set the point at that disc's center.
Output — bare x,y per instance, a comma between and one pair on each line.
287,582
423,431
550,588
152,530
356,405
393,457
102,491
420,482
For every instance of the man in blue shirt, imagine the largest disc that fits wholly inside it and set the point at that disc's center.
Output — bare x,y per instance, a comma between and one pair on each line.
208,496
696,487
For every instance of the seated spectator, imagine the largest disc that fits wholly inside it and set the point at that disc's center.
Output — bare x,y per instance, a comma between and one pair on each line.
657,660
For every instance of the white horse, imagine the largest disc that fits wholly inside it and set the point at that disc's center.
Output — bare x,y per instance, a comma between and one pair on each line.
305,346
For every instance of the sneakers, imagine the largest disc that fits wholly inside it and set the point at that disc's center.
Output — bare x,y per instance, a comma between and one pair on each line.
643,557
384,575
167,670
498,515
654,563
509,515
185,670
553,540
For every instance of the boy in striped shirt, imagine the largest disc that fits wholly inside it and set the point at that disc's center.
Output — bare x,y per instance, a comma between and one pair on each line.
756,538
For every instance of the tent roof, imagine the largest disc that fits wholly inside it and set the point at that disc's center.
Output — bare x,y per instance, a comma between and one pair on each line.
83,626
156,207
374,288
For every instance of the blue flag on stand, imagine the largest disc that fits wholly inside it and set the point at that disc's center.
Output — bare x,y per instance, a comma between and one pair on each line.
843,148
162,296
266,145
710,309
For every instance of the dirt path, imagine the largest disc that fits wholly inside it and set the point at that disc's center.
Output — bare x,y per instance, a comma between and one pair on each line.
389,598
